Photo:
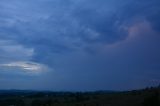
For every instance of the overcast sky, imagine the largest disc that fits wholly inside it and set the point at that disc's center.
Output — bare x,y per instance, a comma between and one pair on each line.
77,45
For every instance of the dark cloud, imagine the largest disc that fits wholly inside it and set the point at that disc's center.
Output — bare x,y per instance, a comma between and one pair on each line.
87,44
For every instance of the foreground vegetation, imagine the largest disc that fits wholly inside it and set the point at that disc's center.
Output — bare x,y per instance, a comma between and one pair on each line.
145,97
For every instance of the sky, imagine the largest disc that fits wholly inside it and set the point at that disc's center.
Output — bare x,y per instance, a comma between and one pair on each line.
79,45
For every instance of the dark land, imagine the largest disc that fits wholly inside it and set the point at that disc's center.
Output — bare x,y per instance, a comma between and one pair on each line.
144,97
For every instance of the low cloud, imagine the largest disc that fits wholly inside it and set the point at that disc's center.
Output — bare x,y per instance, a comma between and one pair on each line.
17,58
11,50
25,67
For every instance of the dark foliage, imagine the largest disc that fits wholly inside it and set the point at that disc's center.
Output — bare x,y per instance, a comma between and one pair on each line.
145,97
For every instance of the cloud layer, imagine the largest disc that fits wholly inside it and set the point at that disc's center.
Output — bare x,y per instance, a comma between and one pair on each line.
26,67
86,44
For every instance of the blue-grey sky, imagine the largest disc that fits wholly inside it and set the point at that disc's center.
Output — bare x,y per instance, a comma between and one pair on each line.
79,44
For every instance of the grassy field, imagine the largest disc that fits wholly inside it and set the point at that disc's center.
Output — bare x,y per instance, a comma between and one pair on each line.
144,97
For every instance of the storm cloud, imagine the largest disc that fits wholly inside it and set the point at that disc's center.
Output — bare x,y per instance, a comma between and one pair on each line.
80,44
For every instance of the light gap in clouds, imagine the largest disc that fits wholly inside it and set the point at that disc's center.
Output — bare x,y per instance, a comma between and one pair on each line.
27,67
